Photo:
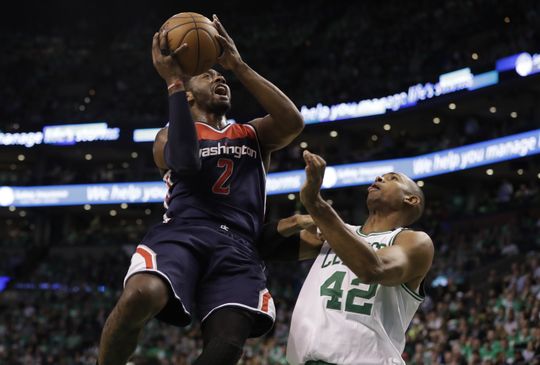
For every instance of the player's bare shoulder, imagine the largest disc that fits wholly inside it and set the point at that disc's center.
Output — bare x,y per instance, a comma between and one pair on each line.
418,244
159,150
416,237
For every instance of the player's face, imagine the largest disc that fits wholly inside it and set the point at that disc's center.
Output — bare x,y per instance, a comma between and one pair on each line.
211,92
390,188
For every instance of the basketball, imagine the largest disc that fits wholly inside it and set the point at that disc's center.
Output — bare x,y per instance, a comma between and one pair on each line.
199,33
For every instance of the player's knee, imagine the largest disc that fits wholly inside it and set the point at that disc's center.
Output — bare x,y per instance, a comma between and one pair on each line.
145,295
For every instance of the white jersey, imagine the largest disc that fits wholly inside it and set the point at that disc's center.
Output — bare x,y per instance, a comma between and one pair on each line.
339,320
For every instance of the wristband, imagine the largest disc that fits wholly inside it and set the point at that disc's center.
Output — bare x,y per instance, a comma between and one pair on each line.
177,83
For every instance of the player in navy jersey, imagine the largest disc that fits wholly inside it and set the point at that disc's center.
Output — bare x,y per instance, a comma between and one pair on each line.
202,260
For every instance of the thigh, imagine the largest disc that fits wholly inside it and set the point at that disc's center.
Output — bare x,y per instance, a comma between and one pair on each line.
235,278
173,256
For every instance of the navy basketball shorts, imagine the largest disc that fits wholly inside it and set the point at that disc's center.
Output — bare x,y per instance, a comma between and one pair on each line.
207,267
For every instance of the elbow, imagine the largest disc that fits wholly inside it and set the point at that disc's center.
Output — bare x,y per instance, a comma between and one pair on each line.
187,169
183,166
292,121
369,275
297,122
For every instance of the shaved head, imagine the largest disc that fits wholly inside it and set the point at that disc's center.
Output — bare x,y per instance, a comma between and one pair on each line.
414,190
396,192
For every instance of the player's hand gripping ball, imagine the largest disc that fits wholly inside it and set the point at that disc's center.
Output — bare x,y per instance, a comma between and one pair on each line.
199,33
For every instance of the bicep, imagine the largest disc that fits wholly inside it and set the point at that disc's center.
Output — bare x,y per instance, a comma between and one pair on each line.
272,135
159,149
408,259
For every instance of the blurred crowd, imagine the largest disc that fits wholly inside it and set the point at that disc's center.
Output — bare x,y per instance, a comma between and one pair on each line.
102,71
495,319
482,305
317,53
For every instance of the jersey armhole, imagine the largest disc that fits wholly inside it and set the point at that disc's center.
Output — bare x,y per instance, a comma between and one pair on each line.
421,292
258,146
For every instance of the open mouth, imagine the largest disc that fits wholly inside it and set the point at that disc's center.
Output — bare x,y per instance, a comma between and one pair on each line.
373,187
221,90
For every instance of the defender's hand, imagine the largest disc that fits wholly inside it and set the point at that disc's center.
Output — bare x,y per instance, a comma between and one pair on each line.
164,60
305,221
230,59
310,238
315,166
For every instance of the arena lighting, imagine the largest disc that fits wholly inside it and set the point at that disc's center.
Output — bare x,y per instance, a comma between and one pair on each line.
337,176
448,83
527,64
524,64
145,134
69,134
27,139
4,280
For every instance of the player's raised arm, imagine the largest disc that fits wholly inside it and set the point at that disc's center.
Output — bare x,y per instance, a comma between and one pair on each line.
181,148
158,150
283,122
408,259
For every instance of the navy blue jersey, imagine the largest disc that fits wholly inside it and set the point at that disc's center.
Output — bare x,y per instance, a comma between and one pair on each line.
230,187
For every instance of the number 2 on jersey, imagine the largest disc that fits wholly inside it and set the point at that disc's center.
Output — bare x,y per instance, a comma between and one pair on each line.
332,288
219,186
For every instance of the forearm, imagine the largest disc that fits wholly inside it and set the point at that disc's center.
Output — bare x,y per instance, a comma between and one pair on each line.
289,226
271,98
355,252
182,148
273,245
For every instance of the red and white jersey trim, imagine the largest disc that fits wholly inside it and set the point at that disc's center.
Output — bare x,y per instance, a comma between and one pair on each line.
266,302
147,255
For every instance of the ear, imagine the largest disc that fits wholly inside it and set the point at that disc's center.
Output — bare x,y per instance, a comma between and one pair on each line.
411,200
190,97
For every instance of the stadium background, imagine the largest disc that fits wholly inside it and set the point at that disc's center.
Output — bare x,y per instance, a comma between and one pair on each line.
63,62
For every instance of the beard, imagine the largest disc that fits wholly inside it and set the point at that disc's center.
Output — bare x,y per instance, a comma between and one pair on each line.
219,107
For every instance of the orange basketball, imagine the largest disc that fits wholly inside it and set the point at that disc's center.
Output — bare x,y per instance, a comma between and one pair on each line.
199,33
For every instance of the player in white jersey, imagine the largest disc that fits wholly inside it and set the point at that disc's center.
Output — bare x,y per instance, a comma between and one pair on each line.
365,285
